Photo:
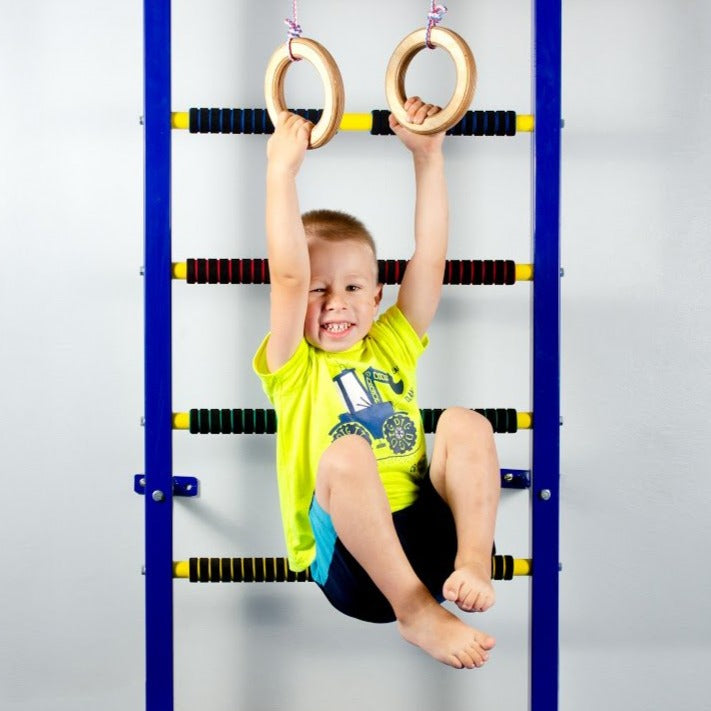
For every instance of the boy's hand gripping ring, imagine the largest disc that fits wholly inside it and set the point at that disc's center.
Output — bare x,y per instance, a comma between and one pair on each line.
464,63
325,65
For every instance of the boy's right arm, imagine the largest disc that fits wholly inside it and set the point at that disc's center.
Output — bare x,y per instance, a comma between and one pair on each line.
286,241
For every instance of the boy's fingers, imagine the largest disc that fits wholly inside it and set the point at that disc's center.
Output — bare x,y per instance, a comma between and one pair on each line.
420,114
283,118
288,120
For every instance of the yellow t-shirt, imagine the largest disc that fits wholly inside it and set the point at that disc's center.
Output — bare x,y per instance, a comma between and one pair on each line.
369,389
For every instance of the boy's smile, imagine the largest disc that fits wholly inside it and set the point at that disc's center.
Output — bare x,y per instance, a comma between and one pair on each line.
343,294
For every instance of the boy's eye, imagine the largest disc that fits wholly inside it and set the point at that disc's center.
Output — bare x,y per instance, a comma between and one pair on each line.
353,287
317,289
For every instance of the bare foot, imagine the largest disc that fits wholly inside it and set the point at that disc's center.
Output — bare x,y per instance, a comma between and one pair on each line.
445,637
469,586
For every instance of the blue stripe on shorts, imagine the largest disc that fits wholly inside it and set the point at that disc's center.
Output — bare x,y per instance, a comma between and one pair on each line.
325,535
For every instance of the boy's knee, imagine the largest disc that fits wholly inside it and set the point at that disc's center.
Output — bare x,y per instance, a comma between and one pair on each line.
460,421
346,458
344,455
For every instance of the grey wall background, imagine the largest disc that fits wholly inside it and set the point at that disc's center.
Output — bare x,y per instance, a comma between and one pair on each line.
635,613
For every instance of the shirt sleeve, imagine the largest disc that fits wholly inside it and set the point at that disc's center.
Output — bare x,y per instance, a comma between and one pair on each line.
395,333
288,375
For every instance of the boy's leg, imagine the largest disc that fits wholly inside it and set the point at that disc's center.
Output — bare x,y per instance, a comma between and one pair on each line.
465,472
349,489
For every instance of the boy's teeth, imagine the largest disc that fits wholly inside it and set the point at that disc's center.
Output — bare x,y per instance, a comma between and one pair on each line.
336,327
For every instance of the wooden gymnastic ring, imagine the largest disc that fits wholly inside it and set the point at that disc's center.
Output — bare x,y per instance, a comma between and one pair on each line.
334,96
464,63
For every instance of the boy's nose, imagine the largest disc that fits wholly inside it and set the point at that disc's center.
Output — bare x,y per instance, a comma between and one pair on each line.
335,301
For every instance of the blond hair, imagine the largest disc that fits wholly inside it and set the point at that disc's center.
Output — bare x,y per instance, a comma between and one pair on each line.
336,226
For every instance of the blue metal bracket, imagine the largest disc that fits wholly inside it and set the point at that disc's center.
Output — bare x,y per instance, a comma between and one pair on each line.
182,485
515,479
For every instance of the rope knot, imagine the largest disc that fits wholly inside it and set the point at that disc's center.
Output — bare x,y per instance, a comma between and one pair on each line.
294,32
434,17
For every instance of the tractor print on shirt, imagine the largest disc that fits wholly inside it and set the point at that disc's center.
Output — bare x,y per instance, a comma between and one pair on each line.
370,417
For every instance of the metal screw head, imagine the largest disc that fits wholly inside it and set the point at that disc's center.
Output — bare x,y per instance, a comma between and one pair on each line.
508,476
158,495
545,494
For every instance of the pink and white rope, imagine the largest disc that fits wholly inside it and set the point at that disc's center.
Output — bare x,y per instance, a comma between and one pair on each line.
434,17
294,31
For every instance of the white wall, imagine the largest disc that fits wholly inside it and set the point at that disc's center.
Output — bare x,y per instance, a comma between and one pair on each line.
635,614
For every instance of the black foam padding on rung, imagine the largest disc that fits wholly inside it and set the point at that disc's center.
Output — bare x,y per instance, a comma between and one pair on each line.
248,418
390,271
215,422
430,417
485,123
258,121
212,271
477,272
502,420
380,126
244,570
264,421
227,271
213,120
508,567
248,576
502,567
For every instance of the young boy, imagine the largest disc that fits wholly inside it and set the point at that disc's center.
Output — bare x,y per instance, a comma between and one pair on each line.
387,537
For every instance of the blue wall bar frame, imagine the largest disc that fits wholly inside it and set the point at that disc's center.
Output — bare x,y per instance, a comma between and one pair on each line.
545,500
157,338
159,492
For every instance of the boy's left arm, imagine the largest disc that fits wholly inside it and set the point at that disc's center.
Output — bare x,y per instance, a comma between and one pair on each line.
421,286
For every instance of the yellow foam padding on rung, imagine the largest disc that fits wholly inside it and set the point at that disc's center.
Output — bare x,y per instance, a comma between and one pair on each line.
524,272
356,122
181,420
522,566
353,122
524,123
180,119
180,270
181,569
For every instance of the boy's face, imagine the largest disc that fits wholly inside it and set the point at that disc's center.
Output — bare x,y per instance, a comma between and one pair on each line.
343,295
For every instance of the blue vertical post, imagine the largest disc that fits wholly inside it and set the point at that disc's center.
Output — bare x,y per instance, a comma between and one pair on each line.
546,357
158,406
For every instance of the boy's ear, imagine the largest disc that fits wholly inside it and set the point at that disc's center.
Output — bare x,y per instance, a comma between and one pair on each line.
378,294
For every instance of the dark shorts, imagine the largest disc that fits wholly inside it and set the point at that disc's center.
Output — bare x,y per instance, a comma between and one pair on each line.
428,537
